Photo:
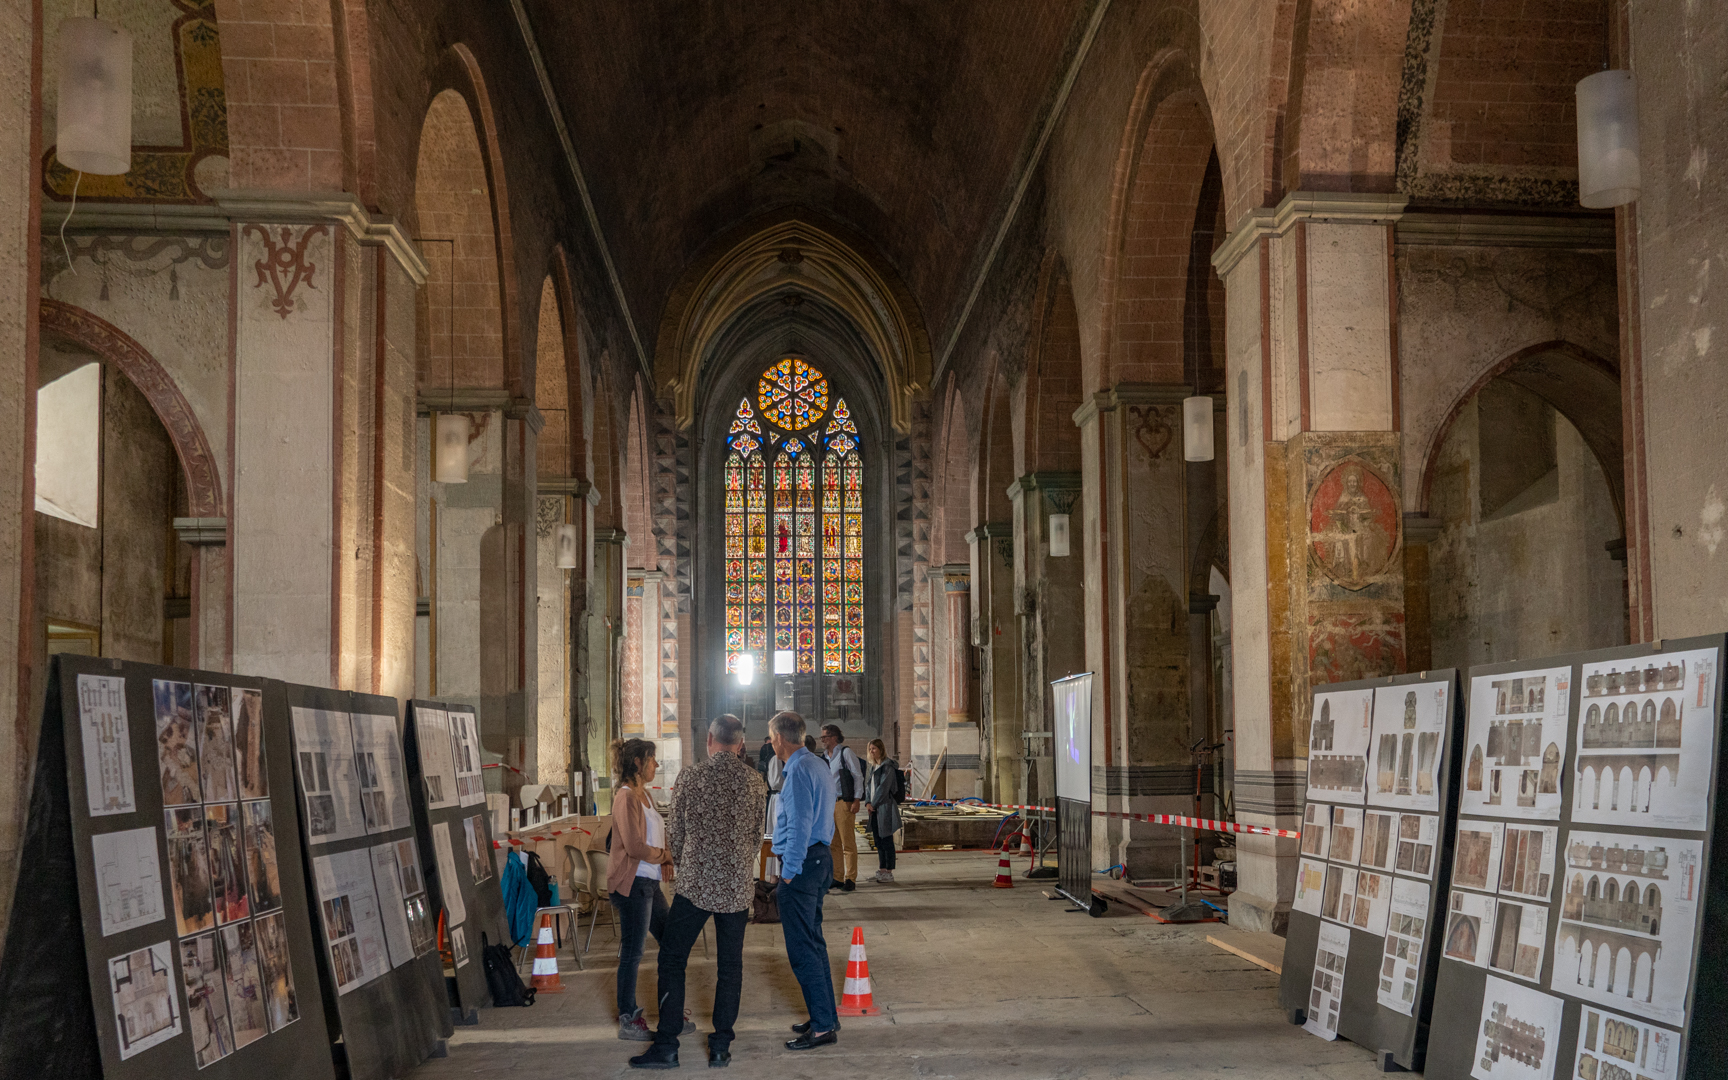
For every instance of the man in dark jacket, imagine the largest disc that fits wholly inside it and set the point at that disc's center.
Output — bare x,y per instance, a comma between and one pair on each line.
713,836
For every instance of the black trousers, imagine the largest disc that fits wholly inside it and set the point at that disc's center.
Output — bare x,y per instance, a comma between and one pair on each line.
884,846
683,926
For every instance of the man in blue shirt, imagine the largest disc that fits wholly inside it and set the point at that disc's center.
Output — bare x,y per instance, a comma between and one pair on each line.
803,825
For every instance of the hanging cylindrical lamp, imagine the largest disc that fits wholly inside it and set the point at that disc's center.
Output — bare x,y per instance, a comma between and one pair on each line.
1607,139
450,434
1059,536
566,547
93,123
1197,429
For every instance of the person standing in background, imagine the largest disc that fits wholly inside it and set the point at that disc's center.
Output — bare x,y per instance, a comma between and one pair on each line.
802,822
765,755
714,836
848,792
882,797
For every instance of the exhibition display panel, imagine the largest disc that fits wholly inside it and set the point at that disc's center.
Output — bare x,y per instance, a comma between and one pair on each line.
448,797
162,925
1072,701
1359,958
1583,933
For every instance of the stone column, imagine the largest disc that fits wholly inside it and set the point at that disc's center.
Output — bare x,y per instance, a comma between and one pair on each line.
957,589
1314,467
601,720
1134,533
1050,606
996,635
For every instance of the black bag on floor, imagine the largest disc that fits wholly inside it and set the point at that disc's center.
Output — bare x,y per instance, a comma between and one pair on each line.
502,981
765,905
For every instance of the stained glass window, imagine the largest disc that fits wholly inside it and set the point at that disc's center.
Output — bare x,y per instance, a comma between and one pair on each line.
794,526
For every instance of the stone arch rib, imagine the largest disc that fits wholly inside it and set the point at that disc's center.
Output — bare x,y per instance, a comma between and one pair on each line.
203,482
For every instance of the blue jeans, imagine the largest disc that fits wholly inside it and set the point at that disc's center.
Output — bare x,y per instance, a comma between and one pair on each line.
642,911
801,922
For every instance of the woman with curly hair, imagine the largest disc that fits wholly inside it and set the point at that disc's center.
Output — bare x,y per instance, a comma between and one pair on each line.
636,866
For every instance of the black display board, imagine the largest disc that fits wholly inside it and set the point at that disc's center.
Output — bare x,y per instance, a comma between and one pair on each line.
160,926
455,830
1359,954
1615,967
380,972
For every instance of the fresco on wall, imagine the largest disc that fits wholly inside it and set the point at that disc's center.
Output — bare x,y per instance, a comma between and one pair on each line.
1352,524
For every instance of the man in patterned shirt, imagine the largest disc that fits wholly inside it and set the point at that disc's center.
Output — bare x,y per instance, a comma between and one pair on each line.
714,834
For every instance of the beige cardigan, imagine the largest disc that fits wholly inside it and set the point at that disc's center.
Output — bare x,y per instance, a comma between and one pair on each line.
630,846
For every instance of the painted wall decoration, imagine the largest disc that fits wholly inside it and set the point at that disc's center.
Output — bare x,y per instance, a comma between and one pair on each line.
1353,522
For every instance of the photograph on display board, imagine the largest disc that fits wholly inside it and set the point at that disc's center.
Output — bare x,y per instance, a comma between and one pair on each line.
244,982
227,876
248,708
1628,922
1469,922
280,1003
1418,840
1519,1032
128,879
263,877
1519,939
1401,964
1476,856
108,784
324,741
437,757
1346,835
1514,744
459,945
1647,741
1407,745
1326,990
448,888
408,863
1614,1047
1339,891
422,925
383,777
189,870
465,745
392,905
479,857
1527,861
1310,886
353,923
1371,904
206,1000
215,743
1316,822
176,743
1338,734
146,1007
1379,839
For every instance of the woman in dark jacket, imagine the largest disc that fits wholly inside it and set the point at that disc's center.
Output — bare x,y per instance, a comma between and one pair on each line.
882,807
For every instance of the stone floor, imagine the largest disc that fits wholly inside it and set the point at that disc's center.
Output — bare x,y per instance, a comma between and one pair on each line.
973,982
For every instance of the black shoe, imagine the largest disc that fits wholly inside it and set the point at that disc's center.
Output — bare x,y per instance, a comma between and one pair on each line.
719,1059
808,1041
657,1057
849,886
800,1029
832,885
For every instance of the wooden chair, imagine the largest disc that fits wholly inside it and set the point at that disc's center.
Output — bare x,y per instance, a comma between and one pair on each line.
587,871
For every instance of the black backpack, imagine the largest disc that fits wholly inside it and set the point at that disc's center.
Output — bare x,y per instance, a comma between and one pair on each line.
539,880
765,905
845,784
505,985
904,787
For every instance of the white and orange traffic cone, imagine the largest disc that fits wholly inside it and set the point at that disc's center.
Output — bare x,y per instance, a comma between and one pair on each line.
546,980
856,999
1004,875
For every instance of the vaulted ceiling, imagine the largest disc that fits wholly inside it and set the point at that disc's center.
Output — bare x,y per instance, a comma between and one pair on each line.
909,122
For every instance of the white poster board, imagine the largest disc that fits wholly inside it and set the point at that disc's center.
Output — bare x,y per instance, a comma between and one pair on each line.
1073,715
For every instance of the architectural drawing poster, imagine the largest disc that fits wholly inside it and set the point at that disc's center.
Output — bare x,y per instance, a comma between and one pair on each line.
1338,736
437,757
1519,1034
324,743
146,1006
128,879
353,924
1406,929
1407,745
1326,992
107,742
1515,744
383,778
1647,741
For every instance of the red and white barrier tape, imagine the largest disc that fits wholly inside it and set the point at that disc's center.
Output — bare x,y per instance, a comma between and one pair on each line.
1155,819
554,834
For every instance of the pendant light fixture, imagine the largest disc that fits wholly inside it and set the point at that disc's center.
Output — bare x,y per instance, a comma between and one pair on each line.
567,547
93,119
1608,139
1197,429
450,431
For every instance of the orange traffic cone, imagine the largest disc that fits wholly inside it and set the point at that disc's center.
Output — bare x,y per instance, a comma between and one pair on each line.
855,999
1004,876
546,980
